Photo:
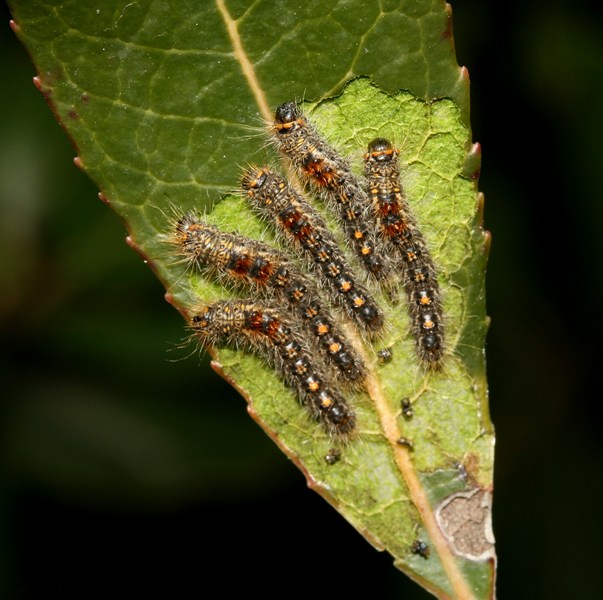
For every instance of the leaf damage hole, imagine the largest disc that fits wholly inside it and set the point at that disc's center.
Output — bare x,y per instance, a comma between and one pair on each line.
465,519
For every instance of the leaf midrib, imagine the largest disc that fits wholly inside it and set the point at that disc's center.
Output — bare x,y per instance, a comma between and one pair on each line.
387,418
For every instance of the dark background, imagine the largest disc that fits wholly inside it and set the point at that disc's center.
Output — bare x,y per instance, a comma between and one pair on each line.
124,472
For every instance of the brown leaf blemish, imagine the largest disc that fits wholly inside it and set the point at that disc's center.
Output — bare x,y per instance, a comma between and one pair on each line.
465,519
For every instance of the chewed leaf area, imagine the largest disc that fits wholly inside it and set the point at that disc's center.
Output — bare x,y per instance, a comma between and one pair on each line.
417,438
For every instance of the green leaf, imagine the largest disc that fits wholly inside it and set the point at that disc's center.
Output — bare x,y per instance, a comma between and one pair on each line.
165,100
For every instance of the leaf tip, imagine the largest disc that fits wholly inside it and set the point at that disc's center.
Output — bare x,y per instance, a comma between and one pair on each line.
487,242
129,241
101,196
447,34
132,244
169,298
473,162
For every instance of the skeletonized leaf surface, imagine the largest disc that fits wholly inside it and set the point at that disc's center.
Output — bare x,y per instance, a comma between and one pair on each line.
165,100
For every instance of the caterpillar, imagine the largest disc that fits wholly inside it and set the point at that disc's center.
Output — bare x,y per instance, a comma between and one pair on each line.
251,263
267,332
329,175
275,200
399,230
